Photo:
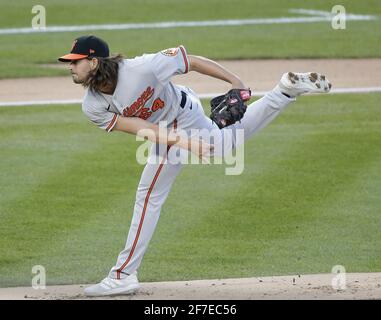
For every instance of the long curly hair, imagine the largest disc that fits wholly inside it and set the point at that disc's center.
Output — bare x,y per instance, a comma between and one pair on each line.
105,75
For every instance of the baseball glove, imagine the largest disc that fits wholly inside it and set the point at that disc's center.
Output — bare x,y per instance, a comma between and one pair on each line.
230,107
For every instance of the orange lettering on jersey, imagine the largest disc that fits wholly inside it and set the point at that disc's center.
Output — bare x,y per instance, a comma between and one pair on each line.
139,103
138,109
145,113
157,104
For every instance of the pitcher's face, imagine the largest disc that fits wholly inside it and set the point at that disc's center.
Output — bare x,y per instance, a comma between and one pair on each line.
80,69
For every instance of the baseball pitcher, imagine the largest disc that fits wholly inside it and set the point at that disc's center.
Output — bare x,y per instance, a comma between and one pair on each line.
136,95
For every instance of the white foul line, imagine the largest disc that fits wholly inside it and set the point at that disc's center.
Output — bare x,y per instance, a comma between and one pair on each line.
333,91
317,16
320,13
310,12
201,96
39,102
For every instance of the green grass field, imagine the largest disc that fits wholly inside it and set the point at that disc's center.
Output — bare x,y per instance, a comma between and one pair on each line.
309,195
22,55
308,198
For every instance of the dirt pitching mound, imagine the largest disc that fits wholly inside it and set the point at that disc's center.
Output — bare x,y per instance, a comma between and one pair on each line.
297,287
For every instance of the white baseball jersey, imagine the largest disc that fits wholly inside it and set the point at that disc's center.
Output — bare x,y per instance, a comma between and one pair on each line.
143,90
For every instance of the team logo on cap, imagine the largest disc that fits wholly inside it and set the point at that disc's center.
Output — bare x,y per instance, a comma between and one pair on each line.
73,45
170,52
91,51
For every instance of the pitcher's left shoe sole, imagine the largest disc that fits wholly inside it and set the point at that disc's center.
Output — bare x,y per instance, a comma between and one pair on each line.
295,84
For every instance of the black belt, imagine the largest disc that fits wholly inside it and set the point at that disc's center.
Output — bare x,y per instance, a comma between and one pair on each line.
183,99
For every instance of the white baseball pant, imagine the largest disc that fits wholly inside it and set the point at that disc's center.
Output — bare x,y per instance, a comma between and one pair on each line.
157,177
